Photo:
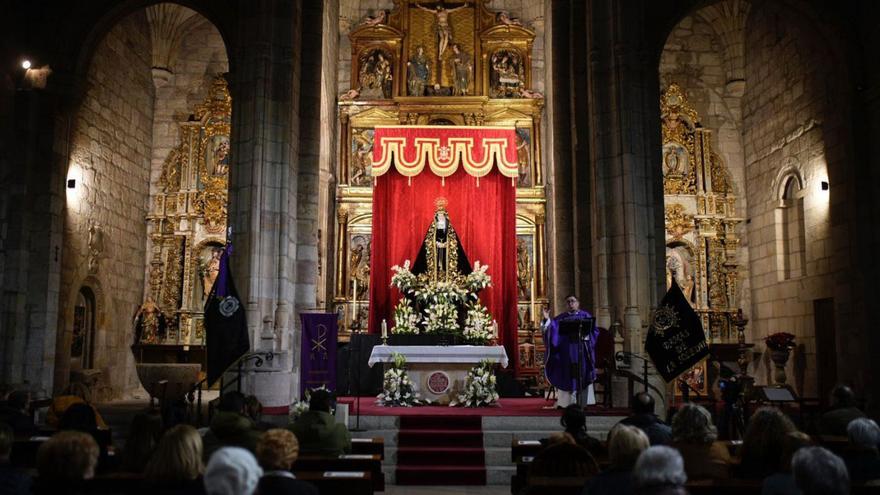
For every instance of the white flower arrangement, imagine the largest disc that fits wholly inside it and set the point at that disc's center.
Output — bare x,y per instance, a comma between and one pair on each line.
441,317
479,387
440,292
403,278
477,325
397,388
406,321
478,279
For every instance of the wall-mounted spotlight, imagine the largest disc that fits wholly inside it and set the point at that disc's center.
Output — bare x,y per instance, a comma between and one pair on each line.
71,183
25,64
824,185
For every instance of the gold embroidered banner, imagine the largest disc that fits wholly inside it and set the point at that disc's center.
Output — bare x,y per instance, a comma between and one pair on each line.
444,149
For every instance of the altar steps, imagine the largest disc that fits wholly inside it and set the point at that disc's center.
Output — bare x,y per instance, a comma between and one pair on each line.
440,450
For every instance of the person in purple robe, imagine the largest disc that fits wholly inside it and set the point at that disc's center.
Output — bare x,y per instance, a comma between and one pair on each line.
561,356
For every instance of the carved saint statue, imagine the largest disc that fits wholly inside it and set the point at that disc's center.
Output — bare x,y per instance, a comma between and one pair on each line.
508,77
464,70
443,29
149,323
210,269
419,72
441,257
523,269
375,77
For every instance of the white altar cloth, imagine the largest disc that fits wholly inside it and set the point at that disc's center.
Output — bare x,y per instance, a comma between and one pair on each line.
439,373
466,354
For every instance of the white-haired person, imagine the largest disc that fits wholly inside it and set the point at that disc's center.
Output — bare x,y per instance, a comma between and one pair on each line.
695,437
659,470
232,471
625,444
862,459
817,471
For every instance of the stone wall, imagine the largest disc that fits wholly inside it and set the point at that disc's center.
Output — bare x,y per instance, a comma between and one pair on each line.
110,150
795,114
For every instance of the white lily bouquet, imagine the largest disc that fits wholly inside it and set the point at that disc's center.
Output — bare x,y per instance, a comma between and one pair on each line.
441,317
477,324
403,278
478,279
479,387
406,321
397,388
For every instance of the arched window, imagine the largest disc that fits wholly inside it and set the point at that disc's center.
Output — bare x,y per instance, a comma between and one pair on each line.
82,343
790,236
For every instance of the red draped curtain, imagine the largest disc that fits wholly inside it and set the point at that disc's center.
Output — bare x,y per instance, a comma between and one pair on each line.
482,212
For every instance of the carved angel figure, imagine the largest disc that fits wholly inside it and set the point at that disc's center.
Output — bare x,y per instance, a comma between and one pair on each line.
381,17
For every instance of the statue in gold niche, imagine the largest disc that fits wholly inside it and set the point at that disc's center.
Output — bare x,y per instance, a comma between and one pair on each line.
523,269
441,257
149,323
464,70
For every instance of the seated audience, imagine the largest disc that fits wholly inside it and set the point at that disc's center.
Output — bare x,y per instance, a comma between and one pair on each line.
694,435
12,481
762,443
232,471
782,481
819,472
61,403
230,427
563,457
277,450
317,430
176,465
143,437
17,412
65,461
81,417
862,458
625,443
574,421
643,418
659,470
843,410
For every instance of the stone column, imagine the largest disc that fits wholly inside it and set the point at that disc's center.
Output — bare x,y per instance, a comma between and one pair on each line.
624,143
265,80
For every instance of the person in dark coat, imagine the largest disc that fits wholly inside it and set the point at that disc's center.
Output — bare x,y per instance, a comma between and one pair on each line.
843,410
277,451
12,481
317,430
643,418
17,414
230,427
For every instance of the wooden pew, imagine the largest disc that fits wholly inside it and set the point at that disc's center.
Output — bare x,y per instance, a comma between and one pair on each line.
524,448
539,485
371,463
339,482
373,446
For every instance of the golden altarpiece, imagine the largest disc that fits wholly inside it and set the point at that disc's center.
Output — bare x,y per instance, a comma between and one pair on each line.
433,63
187,224
701,220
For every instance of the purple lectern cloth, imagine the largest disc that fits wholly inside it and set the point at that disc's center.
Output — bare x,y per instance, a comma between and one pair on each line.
561,352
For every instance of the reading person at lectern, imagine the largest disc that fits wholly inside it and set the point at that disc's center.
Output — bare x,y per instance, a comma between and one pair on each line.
561,358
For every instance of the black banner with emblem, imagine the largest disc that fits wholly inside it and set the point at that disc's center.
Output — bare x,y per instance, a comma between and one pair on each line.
675,340
318,351
226,332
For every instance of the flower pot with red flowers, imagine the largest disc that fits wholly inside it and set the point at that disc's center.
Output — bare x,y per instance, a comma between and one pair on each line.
780,345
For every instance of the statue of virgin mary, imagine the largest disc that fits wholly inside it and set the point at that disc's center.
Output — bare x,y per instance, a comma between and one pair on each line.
441,257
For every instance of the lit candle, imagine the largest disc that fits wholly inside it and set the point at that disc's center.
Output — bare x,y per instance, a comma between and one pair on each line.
384,329
494,329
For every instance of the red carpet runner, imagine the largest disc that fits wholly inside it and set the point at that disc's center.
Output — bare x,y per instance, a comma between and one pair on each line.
440,450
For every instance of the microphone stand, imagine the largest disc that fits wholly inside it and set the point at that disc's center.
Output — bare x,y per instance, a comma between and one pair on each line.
357,400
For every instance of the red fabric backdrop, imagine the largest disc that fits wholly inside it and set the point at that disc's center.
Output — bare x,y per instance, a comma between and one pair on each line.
483,216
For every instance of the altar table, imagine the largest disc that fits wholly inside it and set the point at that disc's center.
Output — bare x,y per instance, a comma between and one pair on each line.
438,373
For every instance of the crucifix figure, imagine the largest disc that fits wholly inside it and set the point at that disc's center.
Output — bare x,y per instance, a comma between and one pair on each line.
444,30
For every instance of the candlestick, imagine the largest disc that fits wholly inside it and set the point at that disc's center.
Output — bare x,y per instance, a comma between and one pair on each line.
494,329
354,318
384,329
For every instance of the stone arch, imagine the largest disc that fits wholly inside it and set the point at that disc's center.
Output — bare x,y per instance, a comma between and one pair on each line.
789,172
64,336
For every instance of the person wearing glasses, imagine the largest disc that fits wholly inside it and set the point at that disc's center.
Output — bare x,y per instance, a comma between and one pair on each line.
563,347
